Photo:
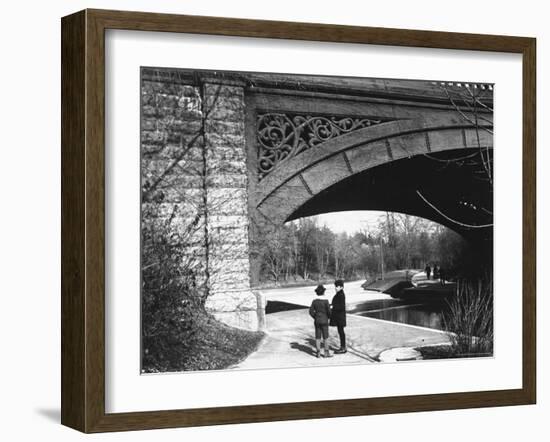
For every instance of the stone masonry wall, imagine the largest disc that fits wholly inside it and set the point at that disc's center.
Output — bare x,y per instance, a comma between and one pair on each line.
194,174
172,166
230,297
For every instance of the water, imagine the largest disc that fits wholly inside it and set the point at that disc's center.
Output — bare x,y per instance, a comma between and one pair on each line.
428,315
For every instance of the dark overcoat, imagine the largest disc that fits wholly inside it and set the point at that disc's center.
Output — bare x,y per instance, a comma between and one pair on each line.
338,313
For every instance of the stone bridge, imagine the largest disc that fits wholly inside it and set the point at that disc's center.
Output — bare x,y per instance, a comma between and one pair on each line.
256,150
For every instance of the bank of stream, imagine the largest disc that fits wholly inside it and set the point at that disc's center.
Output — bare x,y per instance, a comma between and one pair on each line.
423,314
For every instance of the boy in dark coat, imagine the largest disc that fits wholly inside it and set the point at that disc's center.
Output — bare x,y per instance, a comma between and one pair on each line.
338,314
320,312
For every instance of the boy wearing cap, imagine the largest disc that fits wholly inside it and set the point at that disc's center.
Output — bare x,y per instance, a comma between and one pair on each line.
320,312
338,314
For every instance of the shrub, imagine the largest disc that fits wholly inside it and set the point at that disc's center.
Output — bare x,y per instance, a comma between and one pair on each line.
171,306
177,332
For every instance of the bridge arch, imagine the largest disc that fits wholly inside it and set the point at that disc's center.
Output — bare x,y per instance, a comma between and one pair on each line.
282,193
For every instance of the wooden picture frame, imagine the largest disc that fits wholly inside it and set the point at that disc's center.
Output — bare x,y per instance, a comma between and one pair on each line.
83,220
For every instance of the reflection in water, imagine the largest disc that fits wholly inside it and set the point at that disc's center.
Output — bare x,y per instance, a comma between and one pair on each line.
423,315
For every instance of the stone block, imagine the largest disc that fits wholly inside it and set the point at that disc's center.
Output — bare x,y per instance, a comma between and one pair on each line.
227,181
283,201
220,282
171,151
233,225
221,127
182,137
221,221
185,127
170,194
153,137
225,107
178,230
368,155
485,138
227,200
222,91
219,265
148,110
446,139
147,98
173,187
247,319
321,175
226,167
216,140
149,123
164,112
196,254
224,152
229,252
231,301
165,86
189,235
150,86
157,167
179,142
181,114
166,210
408,145
165,100
236,233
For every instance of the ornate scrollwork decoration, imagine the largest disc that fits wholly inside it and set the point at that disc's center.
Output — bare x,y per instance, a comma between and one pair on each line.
283,136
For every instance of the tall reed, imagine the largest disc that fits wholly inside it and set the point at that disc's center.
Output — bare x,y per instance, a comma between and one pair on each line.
469,319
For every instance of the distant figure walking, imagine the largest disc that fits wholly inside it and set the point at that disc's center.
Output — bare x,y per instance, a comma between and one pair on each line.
428,271
320,312
436,272
338,314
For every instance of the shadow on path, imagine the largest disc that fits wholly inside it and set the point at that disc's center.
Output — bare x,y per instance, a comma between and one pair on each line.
362,354
308,349
281,306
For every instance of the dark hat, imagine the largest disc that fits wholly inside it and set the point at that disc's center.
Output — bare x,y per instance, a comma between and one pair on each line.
339,283
320,289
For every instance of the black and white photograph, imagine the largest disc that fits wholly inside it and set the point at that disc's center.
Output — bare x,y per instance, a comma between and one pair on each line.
248,221
300,221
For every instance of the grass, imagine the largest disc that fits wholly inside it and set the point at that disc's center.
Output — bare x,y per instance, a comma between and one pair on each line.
215,346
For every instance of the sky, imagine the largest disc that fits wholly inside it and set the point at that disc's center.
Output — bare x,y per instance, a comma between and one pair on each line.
350,222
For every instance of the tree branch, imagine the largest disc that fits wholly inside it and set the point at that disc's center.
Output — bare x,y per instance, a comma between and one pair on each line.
448,218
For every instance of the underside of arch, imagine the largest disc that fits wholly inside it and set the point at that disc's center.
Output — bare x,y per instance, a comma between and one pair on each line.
449,187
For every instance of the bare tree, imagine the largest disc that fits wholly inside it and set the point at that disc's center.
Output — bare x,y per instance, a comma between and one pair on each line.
473,103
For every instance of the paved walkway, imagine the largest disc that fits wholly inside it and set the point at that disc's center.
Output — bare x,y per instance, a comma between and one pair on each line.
290,341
